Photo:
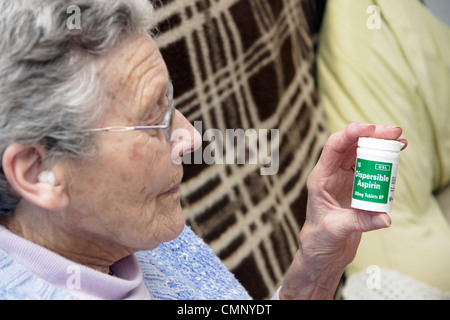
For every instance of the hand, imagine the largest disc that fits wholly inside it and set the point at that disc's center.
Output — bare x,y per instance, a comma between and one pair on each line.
332,230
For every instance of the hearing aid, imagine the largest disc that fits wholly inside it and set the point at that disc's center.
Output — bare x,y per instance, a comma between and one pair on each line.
47,176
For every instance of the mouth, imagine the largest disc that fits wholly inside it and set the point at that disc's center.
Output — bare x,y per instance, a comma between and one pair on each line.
175,187
173,190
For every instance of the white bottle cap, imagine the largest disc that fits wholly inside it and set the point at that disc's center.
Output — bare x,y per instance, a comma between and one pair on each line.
380,144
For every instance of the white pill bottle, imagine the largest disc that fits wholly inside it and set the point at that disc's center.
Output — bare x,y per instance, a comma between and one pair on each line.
375,174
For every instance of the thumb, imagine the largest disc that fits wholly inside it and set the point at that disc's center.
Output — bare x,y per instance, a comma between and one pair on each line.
365,221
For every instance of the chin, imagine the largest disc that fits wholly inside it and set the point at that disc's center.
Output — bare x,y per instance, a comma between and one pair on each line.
179,224
180,229
175,227
166,235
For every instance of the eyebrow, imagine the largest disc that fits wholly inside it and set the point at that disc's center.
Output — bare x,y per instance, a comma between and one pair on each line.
146,108
161,93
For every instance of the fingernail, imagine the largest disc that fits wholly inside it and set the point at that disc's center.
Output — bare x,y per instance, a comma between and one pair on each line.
381,221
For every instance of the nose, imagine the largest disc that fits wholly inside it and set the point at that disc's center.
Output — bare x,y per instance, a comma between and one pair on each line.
184,138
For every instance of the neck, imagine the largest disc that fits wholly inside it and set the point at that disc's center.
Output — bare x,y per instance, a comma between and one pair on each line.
42,228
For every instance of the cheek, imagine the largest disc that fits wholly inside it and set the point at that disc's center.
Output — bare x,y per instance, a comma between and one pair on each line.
135,154
129,173
149,164
122,193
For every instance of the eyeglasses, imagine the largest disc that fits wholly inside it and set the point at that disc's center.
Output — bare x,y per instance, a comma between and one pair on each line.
166,125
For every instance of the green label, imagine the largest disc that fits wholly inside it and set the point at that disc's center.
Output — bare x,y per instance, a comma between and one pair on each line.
372,180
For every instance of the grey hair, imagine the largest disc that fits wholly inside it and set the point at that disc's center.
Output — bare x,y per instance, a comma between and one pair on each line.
49,72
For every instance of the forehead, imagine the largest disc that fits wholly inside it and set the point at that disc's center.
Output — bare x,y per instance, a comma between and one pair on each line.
136,72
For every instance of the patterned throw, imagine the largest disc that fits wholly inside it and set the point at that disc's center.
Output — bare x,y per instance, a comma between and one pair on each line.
247,64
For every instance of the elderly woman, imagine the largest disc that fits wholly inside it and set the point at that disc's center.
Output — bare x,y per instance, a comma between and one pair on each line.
89,189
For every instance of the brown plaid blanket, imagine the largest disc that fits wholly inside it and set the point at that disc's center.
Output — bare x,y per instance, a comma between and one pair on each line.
247,64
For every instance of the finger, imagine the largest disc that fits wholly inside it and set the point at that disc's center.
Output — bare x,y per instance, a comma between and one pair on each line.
405,143
365,221
339,143
388,133
340,148
382,132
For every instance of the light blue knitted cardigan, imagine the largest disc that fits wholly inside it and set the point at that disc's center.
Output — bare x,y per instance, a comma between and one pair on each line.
183,269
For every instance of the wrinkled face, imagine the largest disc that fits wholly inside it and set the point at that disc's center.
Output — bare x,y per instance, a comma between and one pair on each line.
129,193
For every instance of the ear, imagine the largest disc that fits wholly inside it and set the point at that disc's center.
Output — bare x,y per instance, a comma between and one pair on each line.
22,165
